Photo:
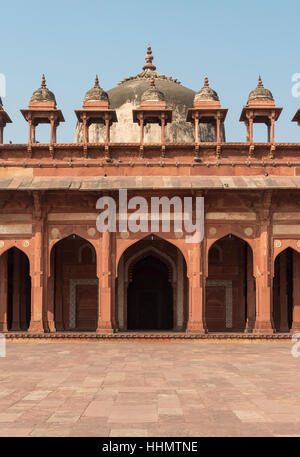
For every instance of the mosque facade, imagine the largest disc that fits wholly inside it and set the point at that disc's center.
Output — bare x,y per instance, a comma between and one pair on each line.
152,137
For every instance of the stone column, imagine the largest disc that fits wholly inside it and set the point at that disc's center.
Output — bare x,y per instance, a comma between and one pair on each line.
196,315
16,290
296,293
284,325
36,272
106,283
264,320
3,292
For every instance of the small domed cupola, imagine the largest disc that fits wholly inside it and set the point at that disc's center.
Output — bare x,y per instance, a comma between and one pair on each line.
260,93
43,94
96,110
207,110
260,109
152,110
4,119
206,94
153,94
96,94
42,110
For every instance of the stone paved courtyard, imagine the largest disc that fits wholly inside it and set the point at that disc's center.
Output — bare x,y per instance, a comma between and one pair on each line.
150,389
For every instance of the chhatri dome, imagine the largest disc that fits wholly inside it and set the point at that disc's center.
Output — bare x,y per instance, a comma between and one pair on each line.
129,94
260,92
43,94
206,93
152,94
96,93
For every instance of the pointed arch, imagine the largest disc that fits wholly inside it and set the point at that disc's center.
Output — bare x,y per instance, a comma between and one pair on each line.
15,289
177,243
73,285
168,254
214,243
286,290
230,286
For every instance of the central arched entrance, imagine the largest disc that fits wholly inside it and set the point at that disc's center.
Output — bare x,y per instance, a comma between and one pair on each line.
150,296
152,286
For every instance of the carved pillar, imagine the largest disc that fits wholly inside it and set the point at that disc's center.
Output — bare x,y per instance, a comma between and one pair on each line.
106,283
218,121
3,292
29,130
251,128
272,127
51,129
196,315
141,118
36,272
296,293
16,290
107,129
197,128
37,267
264,320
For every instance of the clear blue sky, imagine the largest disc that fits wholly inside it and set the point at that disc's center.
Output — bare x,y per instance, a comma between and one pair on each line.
232,41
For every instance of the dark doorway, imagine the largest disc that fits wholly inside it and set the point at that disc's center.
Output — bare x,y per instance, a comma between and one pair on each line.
284,289
18,290
150,296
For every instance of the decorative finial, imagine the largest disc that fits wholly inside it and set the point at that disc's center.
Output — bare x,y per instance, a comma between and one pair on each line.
43,84
149,57
206,83
96,82
1,104
260,84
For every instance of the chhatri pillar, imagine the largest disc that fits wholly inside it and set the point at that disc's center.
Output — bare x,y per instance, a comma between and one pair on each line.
152,110
96,110
207,109
42,110
4,119
260,109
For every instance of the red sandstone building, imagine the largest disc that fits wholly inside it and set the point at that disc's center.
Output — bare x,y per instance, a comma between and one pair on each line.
151,136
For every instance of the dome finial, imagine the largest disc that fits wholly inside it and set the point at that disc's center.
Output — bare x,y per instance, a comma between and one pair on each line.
206,83
149,57
260,84
43,84
1,104
97,82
